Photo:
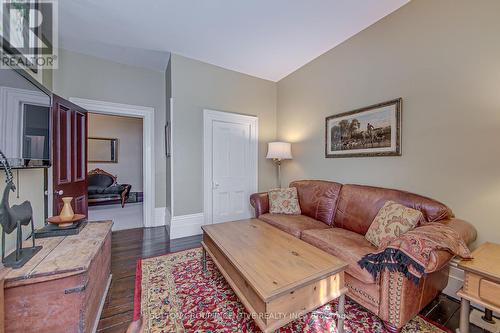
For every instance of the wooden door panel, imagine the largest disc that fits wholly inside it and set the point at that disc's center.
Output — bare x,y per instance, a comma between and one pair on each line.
80,205
231,180
70,155
62,144
79,147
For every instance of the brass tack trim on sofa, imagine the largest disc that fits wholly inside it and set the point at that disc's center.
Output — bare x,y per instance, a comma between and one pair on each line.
395,287
363,293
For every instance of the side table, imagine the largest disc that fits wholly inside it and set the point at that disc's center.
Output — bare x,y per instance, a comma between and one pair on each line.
481,283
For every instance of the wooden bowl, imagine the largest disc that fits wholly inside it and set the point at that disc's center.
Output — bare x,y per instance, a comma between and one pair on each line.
62,224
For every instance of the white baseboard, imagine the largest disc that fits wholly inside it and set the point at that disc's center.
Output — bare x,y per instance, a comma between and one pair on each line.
186,225
160,216
455,279
168,217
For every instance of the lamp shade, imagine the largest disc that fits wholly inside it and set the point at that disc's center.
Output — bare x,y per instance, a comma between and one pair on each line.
279,150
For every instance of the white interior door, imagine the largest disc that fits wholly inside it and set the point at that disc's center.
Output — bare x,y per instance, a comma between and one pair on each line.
232,166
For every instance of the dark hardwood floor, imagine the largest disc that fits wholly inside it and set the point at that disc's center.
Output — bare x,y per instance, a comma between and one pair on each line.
129,245
445,310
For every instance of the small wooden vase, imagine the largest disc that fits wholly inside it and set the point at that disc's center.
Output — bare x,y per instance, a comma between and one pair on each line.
67,213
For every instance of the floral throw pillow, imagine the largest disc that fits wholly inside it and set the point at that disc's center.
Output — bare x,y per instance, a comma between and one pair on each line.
284,201
391,221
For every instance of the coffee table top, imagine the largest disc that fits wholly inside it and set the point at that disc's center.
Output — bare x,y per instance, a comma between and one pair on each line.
272,261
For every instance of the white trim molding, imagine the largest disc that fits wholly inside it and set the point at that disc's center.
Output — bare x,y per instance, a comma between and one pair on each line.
160,216
208,117
171,157
186,225
168,217
455,279
148,142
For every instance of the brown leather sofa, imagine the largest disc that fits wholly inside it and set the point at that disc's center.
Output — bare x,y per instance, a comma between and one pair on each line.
336,217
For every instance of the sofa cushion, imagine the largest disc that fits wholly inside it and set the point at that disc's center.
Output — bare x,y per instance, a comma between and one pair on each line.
392,221
292,224
358,205
100,180
318,198
344,244
284,201
94,189
115,189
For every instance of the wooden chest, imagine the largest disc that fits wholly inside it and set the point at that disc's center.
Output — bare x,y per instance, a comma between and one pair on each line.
62,288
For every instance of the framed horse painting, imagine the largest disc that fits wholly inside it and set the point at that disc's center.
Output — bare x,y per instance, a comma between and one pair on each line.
370,131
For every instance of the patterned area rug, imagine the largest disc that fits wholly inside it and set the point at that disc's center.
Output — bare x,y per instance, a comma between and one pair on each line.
173,295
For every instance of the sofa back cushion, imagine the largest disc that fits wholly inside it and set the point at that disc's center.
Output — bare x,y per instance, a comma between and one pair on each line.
358,205
100,180
318,198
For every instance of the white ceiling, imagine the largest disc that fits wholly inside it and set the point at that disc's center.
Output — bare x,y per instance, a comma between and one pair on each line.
264,38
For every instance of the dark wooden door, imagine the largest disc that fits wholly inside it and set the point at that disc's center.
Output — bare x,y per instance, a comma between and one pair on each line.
69,167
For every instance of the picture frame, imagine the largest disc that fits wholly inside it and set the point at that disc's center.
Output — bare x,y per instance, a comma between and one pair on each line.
102,150
370,131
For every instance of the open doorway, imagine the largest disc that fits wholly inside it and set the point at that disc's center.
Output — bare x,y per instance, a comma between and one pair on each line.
148,143
115,170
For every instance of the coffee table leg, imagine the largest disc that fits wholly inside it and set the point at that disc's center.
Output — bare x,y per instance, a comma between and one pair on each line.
340,313
204,260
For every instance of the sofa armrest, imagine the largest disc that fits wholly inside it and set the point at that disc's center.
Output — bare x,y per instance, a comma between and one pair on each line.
439,259
401,299
466,231
260,201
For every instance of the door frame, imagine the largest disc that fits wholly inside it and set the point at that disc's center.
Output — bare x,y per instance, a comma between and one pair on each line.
213,115
147,115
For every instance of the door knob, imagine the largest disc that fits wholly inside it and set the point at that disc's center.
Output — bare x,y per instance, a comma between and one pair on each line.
60,192
216,185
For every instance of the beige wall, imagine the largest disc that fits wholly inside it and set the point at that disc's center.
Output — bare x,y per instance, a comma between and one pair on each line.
128,131
30,188
443,58
94,78
197,86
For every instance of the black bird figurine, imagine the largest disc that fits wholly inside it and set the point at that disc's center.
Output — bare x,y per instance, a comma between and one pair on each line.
15,217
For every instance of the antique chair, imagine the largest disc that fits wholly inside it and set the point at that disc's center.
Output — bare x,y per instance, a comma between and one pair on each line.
103,189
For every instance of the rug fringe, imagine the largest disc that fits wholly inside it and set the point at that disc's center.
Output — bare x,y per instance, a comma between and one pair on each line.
137,290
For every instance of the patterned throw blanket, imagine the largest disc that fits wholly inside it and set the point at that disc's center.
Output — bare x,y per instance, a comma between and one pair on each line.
410,253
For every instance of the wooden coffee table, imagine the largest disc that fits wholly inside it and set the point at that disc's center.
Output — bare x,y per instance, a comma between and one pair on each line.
276,276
